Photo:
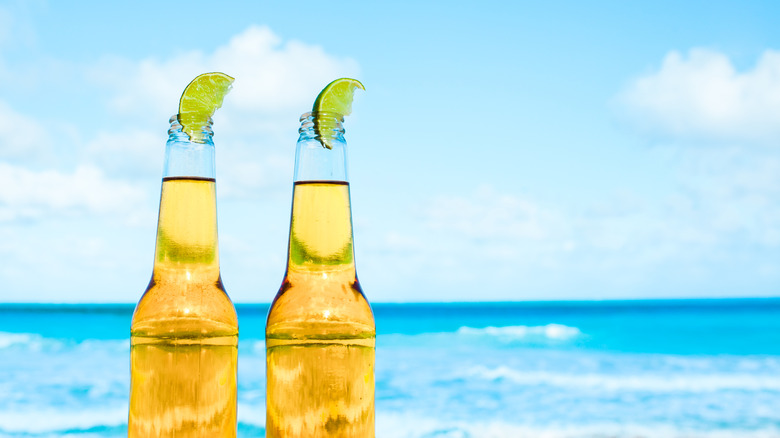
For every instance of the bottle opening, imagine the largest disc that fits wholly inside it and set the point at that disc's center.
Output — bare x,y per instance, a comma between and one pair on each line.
323,115
201,135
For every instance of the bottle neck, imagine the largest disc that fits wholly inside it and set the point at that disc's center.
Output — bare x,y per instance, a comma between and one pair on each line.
186,157
187,249
321,222
321,151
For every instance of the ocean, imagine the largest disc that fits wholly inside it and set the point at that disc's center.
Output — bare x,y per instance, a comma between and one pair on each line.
609,369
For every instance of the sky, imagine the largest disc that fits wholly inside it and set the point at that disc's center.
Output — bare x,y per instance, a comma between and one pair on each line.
501,151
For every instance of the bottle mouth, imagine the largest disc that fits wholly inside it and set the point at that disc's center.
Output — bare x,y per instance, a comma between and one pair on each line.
322,115
317,124
176,127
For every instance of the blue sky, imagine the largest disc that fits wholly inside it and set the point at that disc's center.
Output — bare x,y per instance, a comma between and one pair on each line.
501,151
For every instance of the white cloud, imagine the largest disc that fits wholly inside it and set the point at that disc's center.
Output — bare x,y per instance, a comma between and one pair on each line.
721,225
704,95
22,137
272,77
732,194
482,238
148,89
128,152
490,215
245,174
275,82
717,221
29,195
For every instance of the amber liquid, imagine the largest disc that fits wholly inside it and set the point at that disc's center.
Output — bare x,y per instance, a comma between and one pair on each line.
184,333
320,334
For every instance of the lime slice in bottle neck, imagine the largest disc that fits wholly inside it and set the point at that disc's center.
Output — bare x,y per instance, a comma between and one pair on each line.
336,98
200,100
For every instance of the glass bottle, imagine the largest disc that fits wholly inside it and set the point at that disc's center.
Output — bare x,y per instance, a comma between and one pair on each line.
320,332
184,333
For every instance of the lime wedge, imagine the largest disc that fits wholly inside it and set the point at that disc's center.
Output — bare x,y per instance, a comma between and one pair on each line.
336,98
200,100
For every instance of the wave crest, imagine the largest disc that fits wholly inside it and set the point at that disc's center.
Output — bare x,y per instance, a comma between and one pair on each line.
405,425
16,339
657,383
552,332
49,420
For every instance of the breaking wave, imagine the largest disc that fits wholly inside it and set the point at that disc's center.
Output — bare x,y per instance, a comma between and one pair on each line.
694,383
54,420
11,339
550,332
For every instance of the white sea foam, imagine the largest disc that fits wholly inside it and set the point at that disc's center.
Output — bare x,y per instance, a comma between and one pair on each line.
258,347
633,382
253,414
400,425
15,339
47,420
554,332
36,342
112,345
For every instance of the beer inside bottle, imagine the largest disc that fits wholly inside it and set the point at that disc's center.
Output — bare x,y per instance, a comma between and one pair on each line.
320,333
184,332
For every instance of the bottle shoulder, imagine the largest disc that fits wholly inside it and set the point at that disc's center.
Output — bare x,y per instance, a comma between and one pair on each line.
320,310
184,310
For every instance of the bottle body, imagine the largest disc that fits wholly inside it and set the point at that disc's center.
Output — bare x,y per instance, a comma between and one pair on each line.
184,333
320,333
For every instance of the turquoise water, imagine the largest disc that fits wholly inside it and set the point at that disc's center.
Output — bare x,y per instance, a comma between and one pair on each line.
652,369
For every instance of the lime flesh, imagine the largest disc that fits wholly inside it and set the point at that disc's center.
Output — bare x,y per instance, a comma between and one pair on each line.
200,100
